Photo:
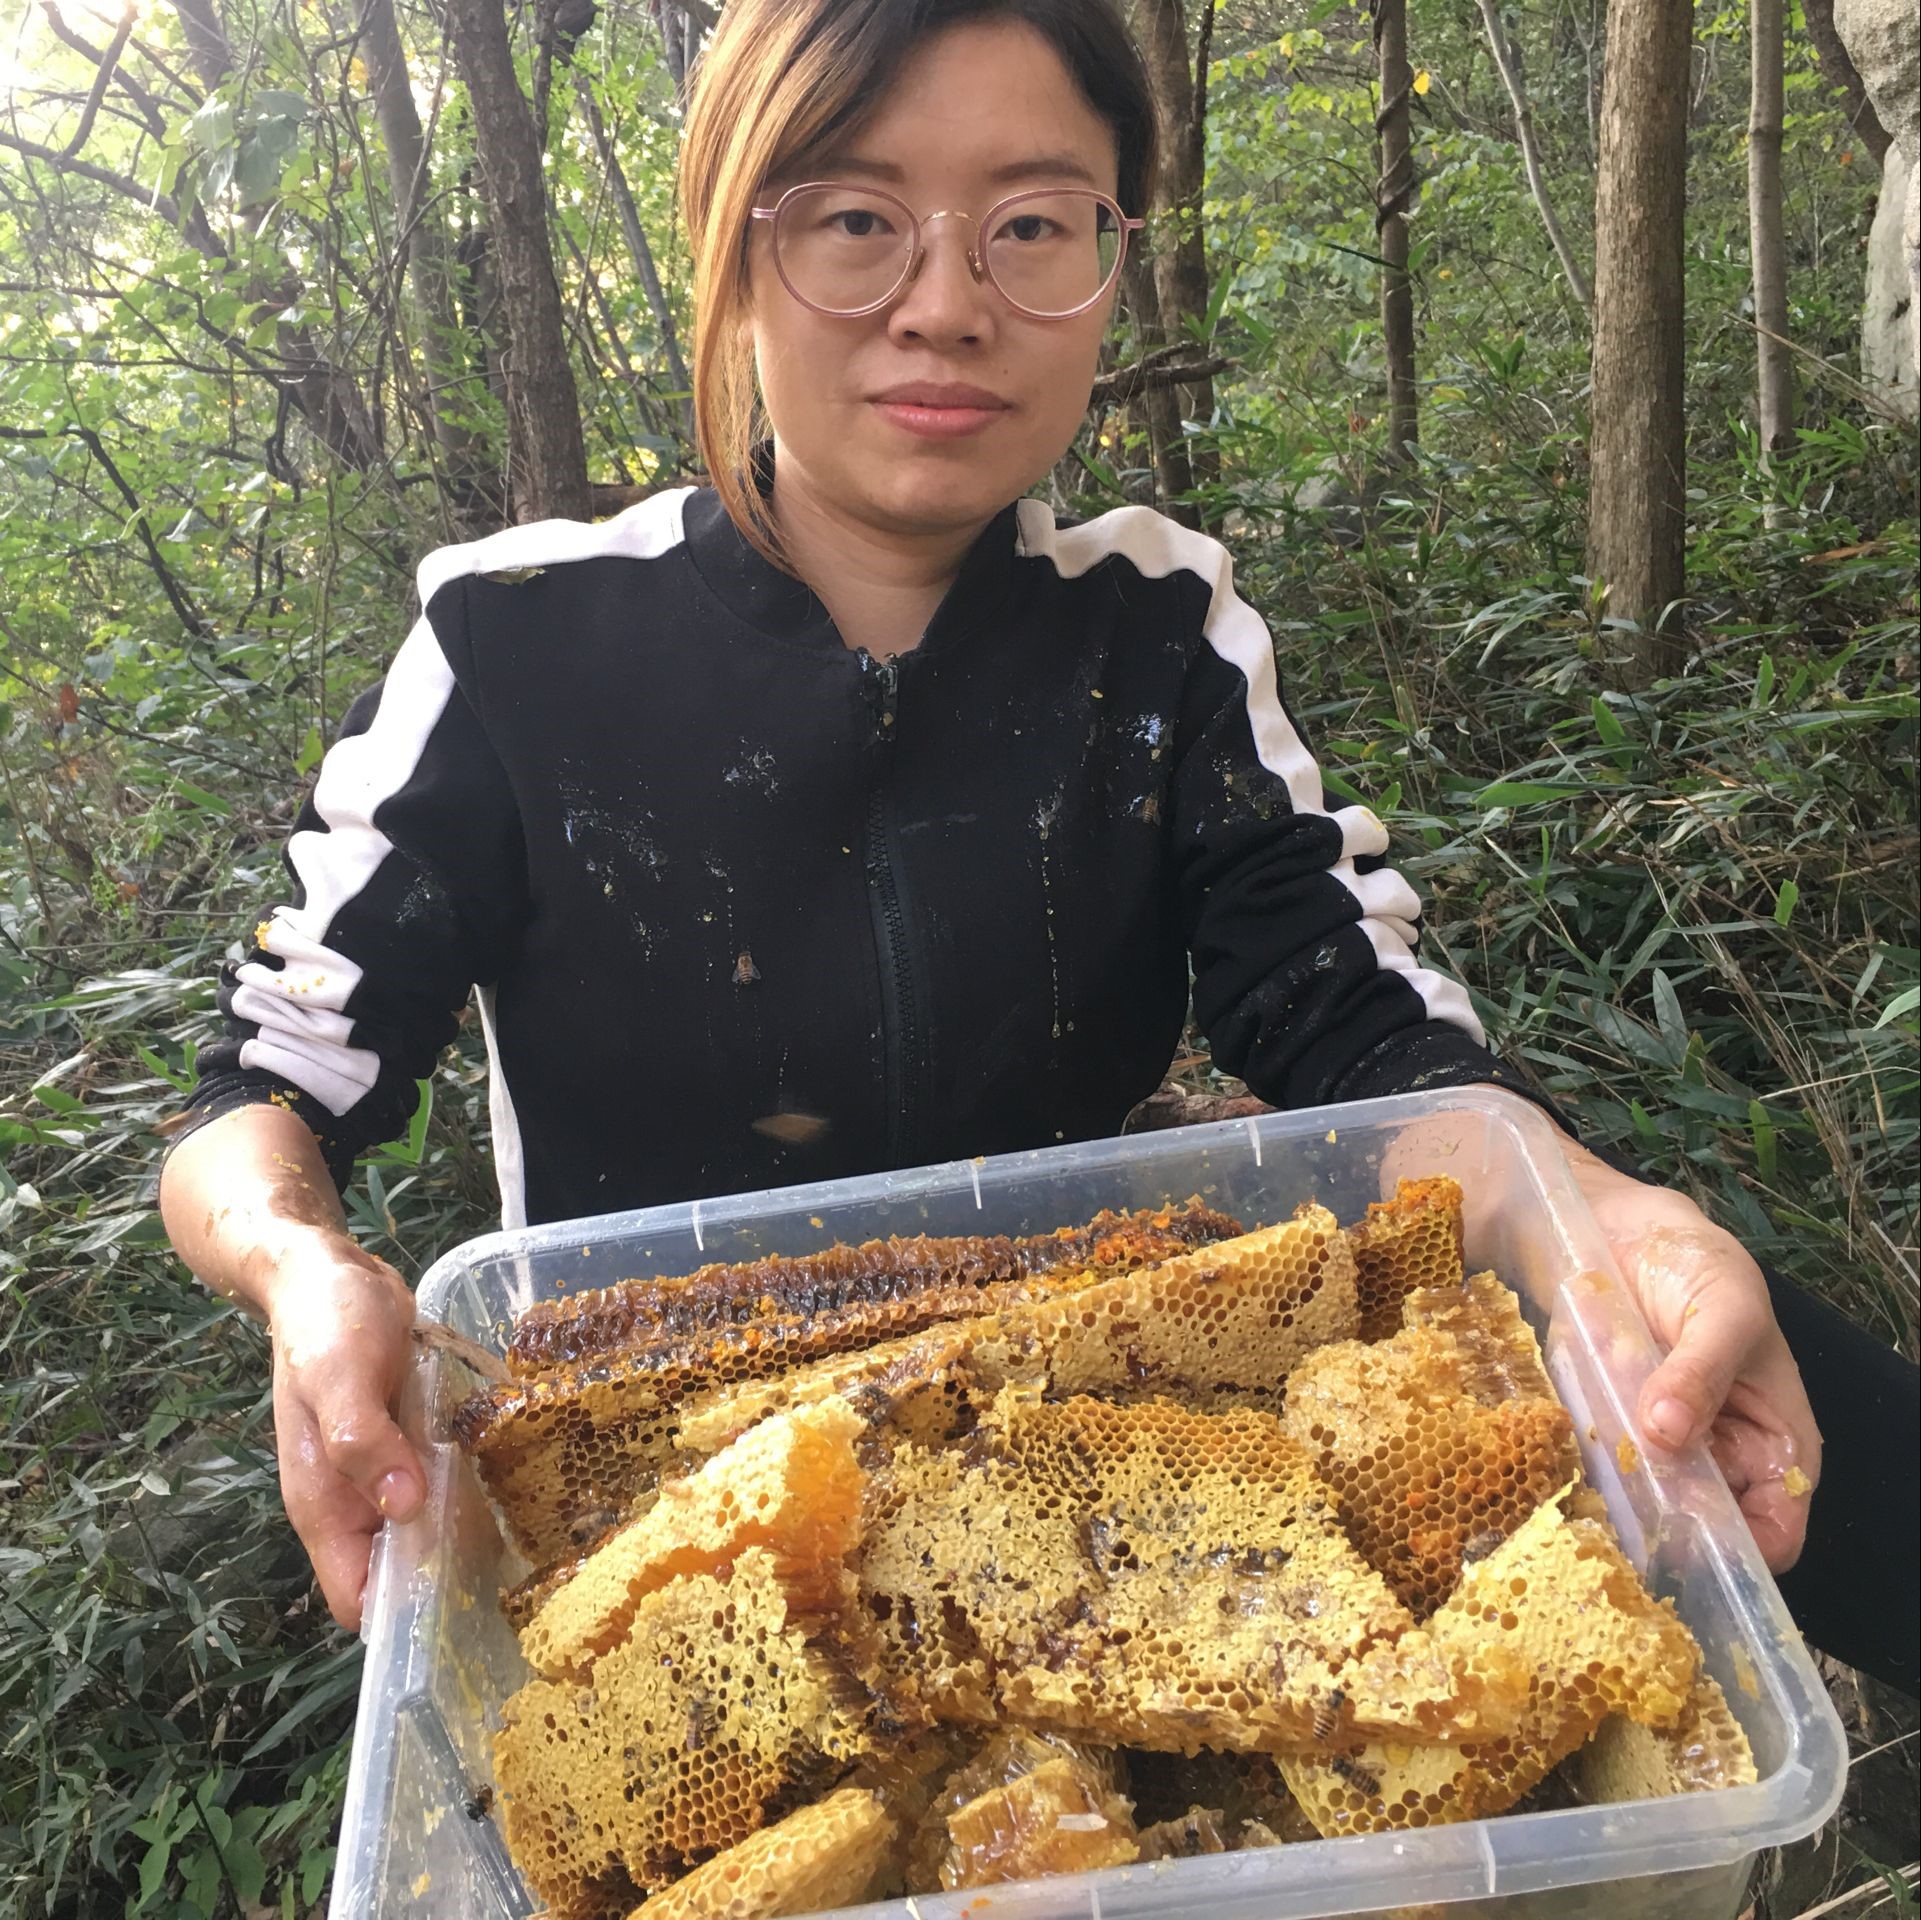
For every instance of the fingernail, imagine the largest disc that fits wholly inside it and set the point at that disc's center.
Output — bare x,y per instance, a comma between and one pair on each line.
396,1493
1670,1422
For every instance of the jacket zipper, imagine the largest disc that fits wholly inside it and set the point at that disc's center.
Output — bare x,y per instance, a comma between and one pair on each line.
900,1025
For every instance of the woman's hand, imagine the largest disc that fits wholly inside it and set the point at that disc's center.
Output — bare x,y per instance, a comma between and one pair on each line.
342,1323
1728,1372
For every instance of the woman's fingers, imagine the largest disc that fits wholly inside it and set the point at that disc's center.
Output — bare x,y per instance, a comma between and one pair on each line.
360,1438
335,1522
1707,1300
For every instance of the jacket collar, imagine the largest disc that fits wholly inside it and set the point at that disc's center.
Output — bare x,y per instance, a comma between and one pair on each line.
775,603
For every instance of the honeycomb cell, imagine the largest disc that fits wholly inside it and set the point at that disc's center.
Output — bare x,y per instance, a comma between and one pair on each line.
1431,1462
1704,1749
1141,1575
1024,1805
636,1314
1413,1240
722,1710
568,1452
826,1855
792,1487
1554,1622
1230,1319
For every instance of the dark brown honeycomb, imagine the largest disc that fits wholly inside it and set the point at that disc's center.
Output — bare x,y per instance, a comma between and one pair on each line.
636,1314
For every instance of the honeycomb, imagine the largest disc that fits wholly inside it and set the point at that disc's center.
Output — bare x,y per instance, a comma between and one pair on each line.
1197,1831
1228,1320
1025,1805
825,1855
638,1313
723,1709
1413,1240
1584,1639
1704,1749
1432,1465
566,1453
792,1487
1149,1576
928,1565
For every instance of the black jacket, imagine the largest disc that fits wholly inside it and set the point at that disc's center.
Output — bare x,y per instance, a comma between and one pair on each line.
745,907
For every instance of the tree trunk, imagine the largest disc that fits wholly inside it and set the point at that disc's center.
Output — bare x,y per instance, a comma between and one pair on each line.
643,255
1774,370
1179,259
1510,71
547,475
1637,518
1159,406
1392,198
423,243
1839,71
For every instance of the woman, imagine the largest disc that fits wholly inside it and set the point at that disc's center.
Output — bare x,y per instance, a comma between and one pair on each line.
904,862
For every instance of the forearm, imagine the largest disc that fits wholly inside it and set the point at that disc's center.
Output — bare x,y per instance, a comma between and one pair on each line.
247,1200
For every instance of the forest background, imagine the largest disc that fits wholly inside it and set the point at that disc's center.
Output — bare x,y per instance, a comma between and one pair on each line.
262,286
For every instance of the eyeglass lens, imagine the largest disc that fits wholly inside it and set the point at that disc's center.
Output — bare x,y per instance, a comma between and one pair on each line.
844,249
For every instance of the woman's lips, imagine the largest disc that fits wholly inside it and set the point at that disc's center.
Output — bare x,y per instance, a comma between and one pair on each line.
938,423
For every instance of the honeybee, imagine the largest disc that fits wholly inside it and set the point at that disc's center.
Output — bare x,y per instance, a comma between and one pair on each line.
480,1804
1481,1544
1326,1715
1356,1775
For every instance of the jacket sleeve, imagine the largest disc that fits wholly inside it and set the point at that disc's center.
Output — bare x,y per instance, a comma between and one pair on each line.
1304,941
408,888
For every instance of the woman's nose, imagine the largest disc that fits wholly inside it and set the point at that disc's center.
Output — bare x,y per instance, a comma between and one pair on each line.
945,298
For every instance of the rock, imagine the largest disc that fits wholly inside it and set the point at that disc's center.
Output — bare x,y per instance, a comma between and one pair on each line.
1883,38
1888,337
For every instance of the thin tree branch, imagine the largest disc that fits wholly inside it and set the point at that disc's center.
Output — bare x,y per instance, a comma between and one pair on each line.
150,198
1530,152
182,605
149,107
102,79
1126,383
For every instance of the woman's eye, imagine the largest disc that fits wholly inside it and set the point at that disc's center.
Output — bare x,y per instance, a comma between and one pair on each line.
1028,228
858,223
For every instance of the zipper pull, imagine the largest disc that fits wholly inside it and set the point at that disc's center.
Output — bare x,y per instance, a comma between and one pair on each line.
887,676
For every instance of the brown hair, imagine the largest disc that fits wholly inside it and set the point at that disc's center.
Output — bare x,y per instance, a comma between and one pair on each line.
777,85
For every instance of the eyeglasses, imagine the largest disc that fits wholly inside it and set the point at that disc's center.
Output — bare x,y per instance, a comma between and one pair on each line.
847,251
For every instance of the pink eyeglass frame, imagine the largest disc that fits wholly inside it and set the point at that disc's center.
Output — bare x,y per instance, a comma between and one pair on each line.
917,252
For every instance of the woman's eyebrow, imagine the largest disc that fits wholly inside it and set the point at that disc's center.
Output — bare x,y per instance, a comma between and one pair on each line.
1036,166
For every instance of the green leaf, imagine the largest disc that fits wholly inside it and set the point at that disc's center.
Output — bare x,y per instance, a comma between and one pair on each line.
1522,793
311,751
1784,902
1762,1128
1606,725
1668,1016
1902,1003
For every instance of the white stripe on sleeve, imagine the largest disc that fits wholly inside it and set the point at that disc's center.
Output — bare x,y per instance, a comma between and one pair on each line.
1156,546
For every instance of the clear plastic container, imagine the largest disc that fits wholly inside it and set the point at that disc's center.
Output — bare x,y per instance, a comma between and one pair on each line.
418,1834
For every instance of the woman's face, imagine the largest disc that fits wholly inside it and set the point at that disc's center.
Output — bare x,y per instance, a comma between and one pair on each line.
965,115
